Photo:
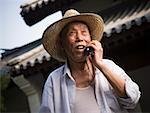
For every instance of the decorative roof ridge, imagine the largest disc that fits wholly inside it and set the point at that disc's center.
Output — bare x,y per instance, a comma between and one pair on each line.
31,2
26,55
127,19
30,46
38,10
136,16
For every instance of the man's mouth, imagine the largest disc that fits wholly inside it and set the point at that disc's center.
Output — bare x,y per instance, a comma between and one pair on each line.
80,47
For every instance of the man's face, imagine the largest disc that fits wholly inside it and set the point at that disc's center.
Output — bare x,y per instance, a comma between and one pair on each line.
76,39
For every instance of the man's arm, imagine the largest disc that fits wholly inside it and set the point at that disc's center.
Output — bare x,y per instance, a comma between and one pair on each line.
131,89
127,90
115,80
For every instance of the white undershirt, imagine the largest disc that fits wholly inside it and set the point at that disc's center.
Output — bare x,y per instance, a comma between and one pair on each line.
85,101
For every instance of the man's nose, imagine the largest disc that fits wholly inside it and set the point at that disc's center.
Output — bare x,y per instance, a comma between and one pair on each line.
79,37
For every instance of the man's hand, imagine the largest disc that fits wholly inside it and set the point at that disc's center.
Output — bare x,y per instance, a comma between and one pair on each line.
98,52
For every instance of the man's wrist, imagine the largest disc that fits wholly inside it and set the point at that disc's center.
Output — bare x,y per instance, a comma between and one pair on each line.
100,64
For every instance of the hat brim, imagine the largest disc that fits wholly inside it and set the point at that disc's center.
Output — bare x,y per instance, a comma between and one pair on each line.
51,36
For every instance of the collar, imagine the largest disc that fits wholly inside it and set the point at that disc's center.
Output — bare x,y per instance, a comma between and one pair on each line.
67,71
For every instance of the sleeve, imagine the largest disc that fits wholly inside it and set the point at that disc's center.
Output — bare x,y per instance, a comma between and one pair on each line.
47,98
133,95
131,88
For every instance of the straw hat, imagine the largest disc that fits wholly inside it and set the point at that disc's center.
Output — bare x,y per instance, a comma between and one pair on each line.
51,36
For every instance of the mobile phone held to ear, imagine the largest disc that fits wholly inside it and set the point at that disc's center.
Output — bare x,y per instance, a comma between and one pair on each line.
89,51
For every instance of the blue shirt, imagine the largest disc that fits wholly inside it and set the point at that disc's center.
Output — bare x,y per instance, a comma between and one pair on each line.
60,88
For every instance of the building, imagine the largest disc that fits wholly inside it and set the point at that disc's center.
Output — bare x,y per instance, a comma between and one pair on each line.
126,41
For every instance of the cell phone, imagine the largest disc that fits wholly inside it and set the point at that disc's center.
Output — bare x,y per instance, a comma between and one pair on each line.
89,51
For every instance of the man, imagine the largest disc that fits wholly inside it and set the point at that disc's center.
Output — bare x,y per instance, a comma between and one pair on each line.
86,83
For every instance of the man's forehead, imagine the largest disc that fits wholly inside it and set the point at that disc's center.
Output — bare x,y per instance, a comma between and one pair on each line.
75,24
70,26
80,23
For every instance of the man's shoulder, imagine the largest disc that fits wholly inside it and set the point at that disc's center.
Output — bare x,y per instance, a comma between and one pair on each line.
54,76
108,61
58,70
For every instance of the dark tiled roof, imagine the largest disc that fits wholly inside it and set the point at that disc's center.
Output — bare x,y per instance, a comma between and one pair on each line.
20,50
35,11
125,15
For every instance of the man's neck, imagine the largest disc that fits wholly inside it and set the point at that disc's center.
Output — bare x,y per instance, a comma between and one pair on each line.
82,72
77,66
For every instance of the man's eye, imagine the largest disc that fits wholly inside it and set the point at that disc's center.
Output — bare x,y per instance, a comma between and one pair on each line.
84,32
71,33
